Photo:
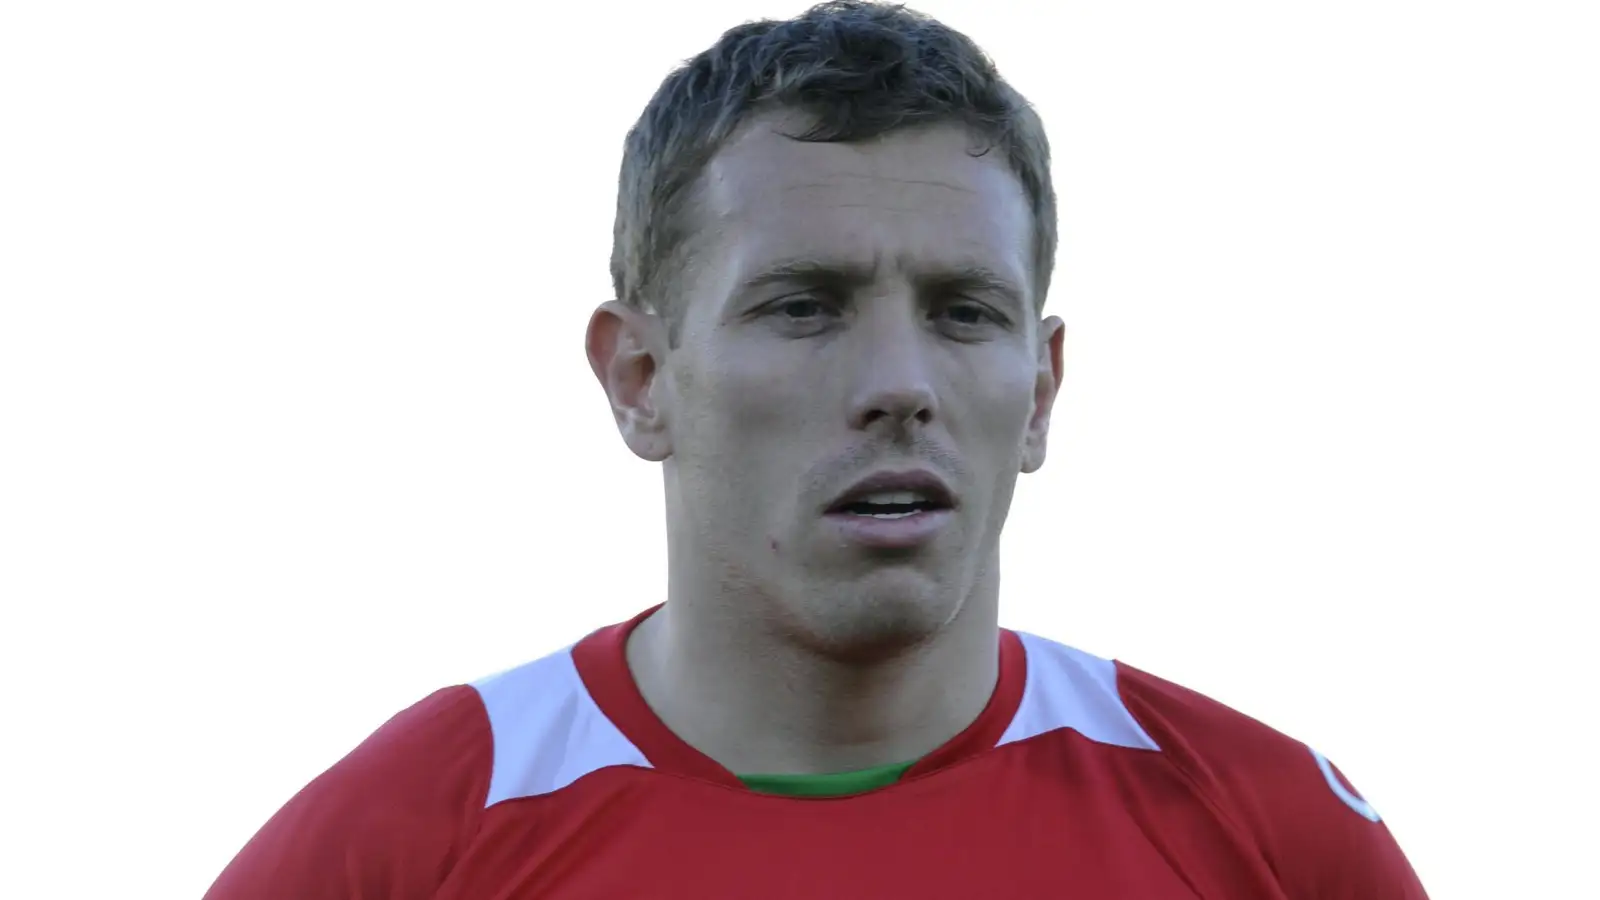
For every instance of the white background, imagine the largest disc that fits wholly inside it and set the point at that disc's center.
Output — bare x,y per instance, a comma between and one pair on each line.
297,427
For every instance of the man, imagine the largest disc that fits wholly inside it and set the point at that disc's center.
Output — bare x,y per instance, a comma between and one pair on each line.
834,238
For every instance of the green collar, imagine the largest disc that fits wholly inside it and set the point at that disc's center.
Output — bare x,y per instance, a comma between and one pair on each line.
837,784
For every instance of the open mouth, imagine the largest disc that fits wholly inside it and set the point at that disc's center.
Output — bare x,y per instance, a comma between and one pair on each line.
893,511
890,505
894,495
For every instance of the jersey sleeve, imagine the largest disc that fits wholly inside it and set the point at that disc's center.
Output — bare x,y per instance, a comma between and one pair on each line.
1319,837
1337,846
384,823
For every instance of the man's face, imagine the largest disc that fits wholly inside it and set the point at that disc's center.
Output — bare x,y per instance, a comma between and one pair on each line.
852,311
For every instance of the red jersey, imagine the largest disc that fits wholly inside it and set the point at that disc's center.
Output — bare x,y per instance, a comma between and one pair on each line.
1083,777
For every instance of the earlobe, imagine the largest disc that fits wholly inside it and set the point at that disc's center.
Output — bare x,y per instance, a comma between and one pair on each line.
1047,384
624,347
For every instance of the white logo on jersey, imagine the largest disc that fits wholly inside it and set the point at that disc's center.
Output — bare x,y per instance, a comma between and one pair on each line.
1343,793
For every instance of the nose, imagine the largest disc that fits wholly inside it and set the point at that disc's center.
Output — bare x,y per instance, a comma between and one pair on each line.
895,382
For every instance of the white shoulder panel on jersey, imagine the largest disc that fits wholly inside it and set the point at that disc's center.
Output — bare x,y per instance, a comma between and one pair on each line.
1068,688
547,730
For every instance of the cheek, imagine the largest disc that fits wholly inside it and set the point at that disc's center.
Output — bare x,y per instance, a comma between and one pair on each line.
1003,405
744,446
748,398
734,419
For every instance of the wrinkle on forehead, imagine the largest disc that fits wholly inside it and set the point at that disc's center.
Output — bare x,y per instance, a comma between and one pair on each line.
918,182
760,159
918,199
776,187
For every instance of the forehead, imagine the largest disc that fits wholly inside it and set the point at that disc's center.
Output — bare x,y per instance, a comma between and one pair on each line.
918,198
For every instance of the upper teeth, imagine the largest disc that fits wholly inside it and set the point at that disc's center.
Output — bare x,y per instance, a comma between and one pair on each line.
893,498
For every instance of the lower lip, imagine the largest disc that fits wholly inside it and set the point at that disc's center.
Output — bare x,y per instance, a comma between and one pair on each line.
904,533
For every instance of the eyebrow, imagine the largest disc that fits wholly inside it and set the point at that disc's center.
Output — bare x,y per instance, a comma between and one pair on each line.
806,269
962,277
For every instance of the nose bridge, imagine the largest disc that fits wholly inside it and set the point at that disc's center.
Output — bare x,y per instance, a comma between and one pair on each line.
893,378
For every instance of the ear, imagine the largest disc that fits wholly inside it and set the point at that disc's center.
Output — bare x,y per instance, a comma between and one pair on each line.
1046,386
626,348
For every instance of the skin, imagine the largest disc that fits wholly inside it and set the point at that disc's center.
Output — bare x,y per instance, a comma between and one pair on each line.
830,326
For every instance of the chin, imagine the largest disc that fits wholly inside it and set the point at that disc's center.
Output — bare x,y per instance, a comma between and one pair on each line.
879,615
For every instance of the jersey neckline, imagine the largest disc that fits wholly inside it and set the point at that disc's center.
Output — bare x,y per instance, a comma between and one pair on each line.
829,785
602,663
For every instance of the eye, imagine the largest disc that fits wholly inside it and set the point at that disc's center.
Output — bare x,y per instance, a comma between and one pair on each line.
805,310
968,314
802,307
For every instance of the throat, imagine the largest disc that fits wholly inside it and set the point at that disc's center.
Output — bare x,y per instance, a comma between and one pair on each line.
754,705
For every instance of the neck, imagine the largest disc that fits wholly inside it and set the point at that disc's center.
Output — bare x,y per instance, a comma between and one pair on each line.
711,664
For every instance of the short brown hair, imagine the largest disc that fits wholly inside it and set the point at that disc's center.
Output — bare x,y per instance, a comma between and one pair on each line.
860,70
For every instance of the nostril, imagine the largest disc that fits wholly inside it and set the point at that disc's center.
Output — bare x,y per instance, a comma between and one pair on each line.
922,416
898,408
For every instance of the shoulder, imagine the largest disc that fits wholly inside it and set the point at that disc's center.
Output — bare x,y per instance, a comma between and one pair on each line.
1206,738
1277,798
385,819
1112,703
438,751
547,729
1316,831
392,817
1258,770
416,777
